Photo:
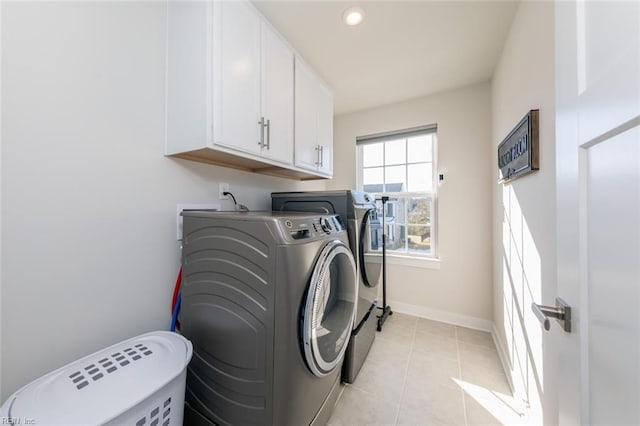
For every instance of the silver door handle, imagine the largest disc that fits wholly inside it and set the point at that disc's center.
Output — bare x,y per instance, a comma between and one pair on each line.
561,312
317,155
268,125
261,124
321,156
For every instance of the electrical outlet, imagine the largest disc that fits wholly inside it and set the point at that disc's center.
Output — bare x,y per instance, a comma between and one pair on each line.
224,187
181,207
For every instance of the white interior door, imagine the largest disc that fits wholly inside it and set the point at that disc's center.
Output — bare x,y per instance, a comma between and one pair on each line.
598,209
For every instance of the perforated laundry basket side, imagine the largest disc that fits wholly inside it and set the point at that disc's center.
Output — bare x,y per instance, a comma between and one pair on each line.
163,408
139,381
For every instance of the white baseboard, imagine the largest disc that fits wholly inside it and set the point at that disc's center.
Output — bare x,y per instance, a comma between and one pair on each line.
442,316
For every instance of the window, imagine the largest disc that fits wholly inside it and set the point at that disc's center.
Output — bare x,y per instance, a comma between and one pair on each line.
402,166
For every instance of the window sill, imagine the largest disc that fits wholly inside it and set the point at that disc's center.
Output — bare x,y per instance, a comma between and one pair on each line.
414,261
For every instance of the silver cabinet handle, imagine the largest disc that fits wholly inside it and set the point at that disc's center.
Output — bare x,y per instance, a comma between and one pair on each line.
321,156
268,134
261,124
561,312
317,155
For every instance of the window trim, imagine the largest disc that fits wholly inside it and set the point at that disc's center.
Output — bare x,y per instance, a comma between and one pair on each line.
413,258
396,134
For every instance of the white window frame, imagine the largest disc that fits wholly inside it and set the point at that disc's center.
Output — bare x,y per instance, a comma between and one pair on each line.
430,260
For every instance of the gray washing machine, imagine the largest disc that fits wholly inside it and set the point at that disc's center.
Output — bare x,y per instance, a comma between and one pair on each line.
268,302
356,208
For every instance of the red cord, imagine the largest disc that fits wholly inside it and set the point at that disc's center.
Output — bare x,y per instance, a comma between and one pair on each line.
176,290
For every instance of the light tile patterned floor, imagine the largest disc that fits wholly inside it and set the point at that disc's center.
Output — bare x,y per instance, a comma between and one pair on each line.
422,372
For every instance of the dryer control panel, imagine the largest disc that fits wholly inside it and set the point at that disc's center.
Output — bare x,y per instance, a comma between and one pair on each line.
359,197
312,226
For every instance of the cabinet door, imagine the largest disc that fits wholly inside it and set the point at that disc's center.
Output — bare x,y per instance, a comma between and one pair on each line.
306,118
277,96
325,128
236,88
313,121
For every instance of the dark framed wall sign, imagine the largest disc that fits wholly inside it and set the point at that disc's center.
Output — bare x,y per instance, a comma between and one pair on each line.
518,153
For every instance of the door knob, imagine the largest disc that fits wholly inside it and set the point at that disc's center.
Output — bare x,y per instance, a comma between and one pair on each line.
561,312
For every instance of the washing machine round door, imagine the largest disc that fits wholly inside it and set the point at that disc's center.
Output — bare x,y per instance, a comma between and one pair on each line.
329,308
369,271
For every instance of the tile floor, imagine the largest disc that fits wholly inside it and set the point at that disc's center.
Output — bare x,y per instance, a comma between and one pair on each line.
422,372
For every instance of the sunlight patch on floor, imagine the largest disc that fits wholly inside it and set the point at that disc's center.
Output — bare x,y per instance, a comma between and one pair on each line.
504,408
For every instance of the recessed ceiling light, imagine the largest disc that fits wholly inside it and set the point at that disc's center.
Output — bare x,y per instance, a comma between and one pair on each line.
353,16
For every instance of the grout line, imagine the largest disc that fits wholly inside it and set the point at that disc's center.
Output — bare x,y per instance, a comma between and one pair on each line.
344,387
464,405
406,372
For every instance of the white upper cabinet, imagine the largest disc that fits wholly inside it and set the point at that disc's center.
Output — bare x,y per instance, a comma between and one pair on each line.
255,102
307,154
313,121
325,128
277,96
237,84
231,93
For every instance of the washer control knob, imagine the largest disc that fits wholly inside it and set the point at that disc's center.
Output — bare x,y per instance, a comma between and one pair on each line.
326,225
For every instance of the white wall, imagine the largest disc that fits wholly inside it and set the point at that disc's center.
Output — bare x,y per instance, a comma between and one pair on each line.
1,143
89,253
524,211
460,291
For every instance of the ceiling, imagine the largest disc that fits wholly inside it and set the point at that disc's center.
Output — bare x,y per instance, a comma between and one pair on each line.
402,50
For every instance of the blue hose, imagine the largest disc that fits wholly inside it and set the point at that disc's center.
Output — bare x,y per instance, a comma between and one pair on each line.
176,310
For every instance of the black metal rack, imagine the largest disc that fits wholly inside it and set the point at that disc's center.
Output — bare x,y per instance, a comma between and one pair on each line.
386,309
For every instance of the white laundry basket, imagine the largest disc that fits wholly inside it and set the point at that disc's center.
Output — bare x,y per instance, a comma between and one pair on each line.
140,381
